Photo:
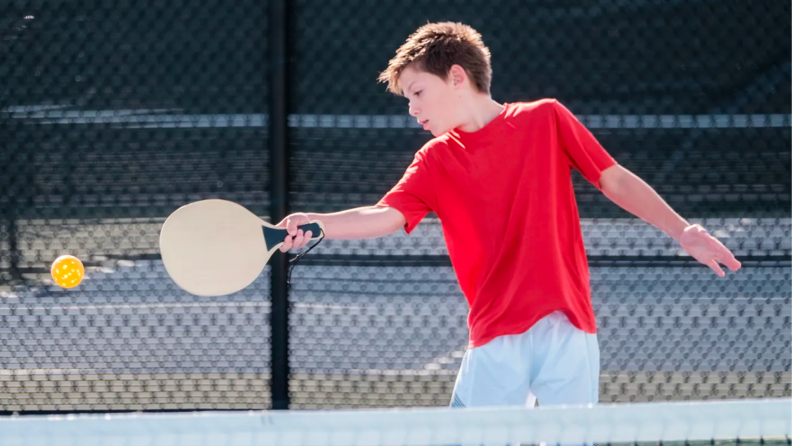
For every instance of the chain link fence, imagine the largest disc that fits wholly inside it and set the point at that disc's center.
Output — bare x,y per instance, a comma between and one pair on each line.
113,115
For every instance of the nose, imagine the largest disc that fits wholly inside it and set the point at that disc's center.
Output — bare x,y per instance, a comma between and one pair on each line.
413,110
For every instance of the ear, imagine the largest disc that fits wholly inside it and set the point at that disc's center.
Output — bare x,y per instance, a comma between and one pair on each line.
457,76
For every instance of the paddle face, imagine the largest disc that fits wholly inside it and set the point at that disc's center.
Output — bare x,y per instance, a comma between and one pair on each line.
217,247
214,247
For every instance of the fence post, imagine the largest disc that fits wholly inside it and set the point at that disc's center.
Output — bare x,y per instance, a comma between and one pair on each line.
278,145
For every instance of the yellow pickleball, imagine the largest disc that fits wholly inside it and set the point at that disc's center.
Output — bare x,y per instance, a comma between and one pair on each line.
67,271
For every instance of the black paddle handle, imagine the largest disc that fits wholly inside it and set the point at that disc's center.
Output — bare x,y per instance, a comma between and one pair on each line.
316,231
274,236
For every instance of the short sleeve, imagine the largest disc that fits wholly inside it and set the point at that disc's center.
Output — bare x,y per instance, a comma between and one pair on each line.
584,153
413,195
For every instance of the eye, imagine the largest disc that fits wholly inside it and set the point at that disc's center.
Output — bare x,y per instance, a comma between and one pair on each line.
418,93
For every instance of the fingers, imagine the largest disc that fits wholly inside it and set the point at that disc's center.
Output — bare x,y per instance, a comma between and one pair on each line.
299,240
727,258
290,242
721,255
715,267
287,243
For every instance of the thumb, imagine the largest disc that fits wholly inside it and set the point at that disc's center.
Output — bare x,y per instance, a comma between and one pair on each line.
293,221
291,225
286,223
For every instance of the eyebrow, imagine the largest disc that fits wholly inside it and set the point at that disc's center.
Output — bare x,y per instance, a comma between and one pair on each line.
408,87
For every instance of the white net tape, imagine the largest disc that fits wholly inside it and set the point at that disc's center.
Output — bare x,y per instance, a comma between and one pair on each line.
744,420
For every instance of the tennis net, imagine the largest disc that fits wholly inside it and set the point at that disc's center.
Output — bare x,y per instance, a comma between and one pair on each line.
739,421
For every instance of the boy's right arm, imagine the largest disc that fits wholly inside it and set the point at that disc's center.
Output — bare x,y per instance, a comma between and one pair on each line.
358,223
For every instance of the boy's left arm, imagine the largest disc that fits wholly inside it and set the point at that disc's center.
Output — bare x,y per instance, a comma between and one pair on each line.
635,196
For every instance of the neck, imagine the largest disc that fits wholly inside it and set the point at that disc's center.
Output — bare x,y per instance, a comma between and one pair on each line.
479,111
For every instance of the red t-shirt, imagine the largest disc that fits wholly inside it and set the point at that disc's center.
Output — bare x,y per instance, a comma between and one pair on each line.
505,199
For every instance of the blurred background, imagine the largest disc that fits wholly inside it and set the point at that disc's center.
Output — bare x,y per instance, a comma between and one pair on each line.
113,114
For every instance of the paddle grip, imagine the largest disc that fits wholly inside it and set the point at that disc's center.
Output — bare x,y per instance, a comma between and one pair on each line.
274,236
316,231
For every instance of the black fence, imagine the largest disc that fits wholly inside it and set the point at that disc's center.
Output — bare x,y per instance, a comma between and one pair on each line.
112,115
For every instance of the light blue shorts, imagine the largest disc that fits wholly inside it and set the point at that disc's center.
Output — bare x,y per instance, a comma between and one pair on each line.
553,361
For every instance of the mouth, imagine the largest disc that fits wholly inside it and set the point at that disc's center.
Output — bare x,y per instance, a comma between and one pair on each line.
424,123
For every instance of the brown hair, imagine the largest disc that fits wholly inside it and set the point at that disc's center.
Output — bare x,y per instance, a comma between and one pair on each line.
434,48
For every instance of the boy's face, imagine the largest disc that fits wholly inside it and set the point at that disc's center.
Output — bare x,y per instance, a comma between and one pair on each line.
433,101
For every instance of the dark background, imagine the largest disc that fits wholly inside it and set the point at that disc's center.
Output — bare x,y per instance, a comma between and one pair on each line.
113,114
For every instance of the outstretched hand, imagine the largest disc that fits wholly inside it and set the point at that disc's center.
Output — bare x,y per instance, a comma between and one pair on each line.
707,249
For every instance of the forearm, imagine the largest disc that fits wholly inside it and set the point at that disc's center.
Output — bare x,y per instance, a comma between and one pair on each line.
360,223
632,194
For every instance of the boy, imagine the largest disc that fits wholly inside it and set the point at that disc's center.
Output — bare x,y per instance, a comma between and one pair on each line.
498,177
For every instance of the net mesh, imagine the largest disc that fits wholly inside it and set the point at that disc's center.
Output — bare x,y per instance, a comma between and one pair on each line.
723,423
113,115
